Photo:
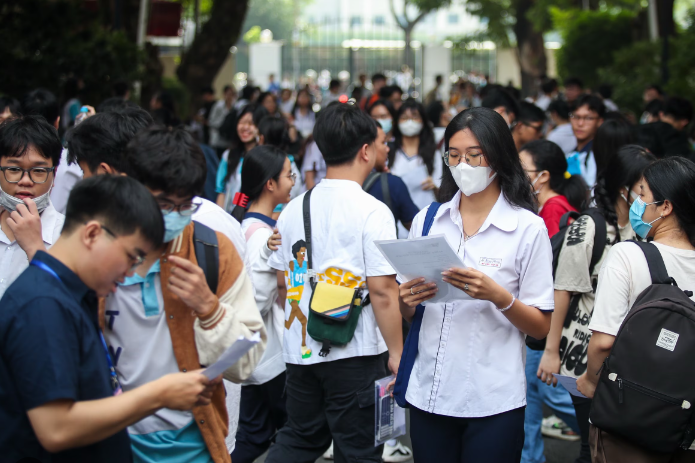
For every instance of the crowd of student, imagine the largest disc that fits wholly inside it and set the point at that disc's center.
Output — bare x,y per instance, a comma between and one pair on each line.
135,252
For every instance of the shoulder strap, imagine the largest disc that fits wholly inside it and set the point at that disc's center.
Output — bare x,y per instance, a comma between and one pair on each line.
385,192
657,268
600,236
307,230
370,181
207,253
429,218
253,228
564,220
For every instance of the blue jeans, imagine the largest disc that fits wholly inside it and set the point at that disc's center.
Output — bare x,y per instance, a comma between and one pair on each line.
537,393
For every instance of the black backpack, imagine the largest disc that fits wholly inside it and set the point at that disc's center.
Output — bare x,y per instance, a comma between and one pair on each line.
647,384
207,253
558,240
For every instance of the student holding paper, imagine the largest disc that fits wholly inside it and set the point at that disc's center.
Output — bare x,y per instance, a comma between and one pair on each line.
466,384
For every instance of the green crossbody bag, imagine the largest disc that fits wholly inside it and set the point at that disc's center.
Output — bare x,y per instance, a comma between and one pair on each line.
333,309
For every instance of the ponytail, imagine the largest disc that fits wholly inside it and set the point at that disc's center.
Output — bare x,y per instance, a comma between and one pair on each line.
574,188
262,163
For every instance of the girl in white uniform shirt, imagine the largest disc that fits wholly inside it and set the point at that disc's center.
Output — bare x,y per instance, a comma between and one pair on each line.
664,212
467,387
414,156
266,181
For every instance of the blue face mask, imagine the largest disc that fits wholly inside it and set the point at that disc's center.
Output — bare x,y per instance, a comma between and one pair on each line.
636,212
174,223
386,124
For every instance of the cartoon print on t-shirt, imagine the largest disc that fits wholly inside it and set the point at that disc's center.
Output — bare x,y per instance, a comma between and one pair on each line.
295,287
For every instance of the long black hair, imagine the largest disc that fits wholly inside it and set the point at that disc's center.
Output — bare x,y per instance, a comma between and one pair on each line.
274,132
495,139
547,156
237,148
623,170
261,164
427,144
672,179
610,137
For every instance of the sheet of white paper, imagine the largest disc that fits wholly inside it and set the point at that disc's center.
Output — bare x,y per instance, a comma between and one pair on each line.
570,384
426,257
231,355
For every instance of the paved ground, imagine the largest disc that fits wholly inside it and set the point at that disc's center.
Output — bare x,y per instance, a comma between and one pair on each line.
556,451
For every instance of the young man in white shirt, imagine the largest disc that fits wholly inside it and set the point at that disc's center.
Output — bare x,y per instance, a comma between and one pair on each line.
586,118
331,395
29,155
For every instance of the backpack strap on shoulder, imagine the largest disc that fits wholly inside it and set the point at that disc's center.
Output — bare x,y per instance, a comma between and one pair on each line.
429,217
385,192
207,253
600,236
306,208
657,268
370,181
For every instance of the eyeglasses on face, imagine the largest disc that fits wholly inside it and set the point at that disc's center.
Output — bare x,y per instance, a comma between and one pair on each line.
14,174
453,158
135,260
185,209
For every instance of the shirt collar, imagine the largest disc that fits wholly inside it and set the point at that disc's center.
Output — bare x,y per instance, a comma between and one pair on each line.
263,218
338,183
503,215
72,282
136,279
586,149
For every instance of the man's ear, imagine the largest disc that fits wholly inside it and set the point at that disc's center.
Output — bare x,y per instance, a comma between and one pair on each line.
56,123
364,153
104,168
90,232
261,140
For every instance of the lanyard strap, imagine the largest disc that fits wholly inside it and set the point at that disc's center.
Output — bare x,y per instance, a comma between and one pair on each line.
114,377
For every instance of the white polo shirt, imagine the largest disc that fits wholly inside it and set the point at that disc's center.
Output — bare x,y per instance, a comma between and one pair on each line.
66,177
13,259
470,361
215,217
345,222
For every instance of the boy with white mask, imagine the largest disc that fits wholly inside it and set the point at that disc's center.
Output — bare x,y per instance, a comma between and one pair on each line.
29,155
167,311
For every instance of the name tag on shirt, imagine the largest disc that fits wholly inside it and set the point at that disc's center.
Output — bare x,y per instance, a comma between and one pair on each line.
490,262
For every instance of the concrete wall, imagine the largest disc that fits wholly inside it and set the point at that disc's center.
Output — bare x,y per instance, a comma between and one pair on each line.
265,59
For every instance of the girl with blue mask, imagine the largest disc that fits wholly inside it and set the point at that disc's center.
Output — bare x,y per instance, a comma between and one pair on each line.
664,213
615,191
382,111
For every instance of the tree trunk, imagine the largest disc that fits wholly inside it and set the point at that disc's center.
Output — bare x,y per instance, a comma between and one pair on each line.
210,48
407,51
530,50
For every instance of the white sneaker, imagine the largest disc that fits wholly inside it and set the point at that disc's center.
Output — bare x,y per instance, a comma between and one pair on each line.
555,427
328,455
396,453
550,422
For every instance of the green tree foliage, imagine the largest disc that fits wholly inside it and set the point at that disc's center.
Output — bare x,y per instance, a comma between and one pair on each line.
276,15
590,39
638,65
48,41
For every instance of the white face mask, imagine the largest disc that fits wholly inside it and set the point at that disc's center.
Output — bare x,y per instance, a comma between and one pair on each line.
533,184
410,128
472,180
10,203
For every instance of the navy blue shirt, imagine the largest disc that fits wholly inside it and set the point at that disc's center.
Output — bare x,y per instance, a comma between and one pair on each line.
50,349
402,206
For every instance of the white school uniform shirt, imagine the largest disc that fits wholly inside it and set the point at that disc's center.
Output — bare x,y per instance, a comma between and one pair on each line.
413,171
265,283
345,222
470,360
563,136
66,177
13,259
313,161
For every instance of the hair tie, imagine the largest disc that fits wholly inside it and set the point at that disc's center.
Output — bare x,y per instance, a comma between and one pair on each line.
568,175
240,199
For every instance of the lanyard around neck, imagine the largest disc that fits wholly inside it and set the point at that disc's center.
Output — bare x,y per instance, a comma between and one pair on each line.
114,377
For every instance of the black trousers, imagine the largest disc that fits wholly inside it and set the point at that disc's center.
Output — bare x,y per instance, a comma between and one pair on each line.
262,413
582,407
445,439
330,400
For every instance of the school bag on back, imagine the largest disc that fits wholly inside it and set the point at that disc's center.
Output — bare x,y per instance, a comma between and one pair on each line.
647,385
558,240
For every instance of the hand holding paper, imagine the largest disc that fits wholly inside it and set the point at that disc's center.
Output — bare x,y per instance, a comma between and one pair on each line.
231,355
